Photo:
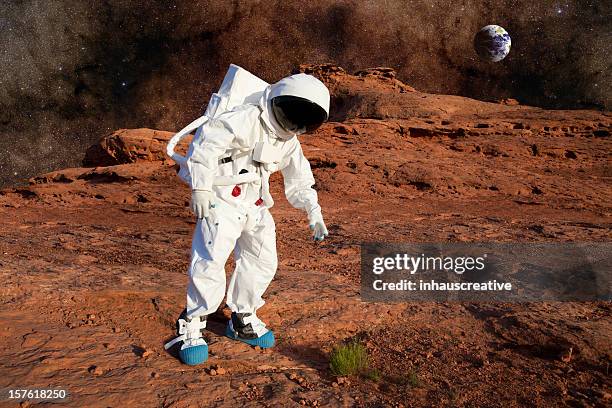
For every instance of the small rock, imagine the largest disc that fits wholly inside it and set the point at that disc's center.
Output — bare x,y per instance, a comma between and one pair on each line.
146,353
335,384
155,375
570,154
292,376
91,316
302,402
220,371
212,372
509,102
95,370
106,345
567,357
265,367
116,329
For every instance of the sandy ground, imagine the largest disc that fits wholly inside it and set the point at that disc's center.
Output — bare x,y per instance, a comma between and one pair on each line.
94,264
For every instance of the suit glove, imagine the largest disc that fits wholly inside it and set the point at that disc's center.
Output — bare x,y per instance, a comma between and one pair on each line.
201,202
317,225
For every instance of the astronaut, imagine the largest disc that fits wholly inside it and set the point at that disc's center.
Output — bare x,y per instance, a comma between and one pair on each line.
246,145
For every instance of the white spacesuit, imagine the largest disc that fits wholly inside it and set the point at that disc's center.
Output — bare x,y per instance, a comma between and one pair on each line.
246,145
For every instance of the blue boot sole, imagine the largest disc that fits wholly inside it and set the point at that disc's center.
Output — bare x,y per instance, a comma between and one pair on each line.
265,341
194,355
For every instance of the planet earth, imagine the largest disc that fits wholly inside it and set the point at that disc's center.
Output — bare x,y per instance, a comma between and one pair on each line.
492,43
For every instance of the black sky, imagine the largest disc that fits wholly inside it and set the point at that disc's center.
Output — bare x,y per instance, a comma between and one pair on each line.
71,71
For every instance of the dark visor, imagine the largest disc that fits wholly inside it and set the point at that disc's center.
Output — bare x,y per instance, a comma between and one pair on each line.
294,113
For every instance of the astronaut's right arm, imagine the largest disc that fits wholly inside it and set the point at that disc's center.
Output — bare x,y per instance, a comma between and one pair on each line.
214,140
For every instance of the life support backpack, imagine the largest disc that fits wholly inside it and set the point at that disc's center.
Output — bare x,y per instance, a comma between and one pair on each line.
239,87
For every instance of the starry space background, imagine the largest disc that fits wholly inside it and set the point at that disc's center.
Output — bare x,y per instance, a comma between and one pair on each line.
72,71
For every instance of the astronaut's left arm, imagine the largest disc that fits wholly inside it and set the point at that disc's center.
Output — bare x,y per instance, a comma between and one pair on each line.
203,161
298,180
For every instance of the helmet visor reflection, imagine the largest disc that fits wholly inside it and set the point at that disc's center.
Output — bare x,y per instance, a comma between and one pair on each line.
296,114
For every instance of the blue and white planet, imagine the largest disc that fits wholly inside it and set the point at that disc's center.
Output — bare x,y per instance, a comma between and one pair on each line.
492,43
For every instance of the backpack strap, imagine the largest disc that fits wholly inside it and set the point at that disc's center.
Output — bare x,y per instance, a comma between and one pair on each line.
178,136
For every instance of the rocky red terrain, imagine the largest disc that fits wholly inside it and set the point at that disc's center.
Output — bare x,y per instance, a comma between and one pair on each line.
94,263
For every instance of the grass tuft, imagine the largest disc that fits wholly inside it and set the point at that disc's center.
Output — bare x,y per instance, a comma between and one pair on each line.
373,375
349,359
413,379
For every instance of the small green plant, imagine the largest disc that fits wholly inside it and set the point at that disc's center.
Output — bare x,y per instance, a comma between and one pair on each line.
349,359
413,379
373,375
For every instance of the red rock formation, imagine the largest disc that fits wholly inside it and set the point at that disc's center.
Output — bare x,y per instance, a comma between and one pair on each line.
129,146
